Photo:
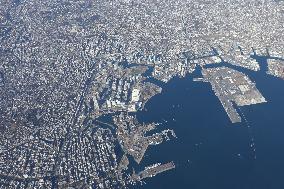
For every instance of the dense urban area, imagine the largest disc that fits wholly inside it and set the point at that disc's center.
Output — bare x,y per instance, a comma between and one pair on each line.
65,65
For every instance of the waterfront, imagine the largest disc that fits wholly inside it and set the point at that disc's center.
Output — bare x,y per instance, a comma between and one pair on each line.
210,151
73,76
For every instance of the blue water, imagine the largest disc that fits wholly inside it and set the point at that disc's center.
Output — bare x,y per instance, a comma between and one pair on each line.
211,152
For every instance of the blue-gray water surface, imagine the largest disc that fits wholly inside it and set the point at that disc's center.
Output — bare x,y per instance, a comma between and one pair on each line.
210,151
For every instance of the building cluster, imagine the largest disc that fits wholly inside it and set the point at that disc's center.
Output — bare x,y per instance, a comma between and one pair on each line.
276,68
65,65
132,136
